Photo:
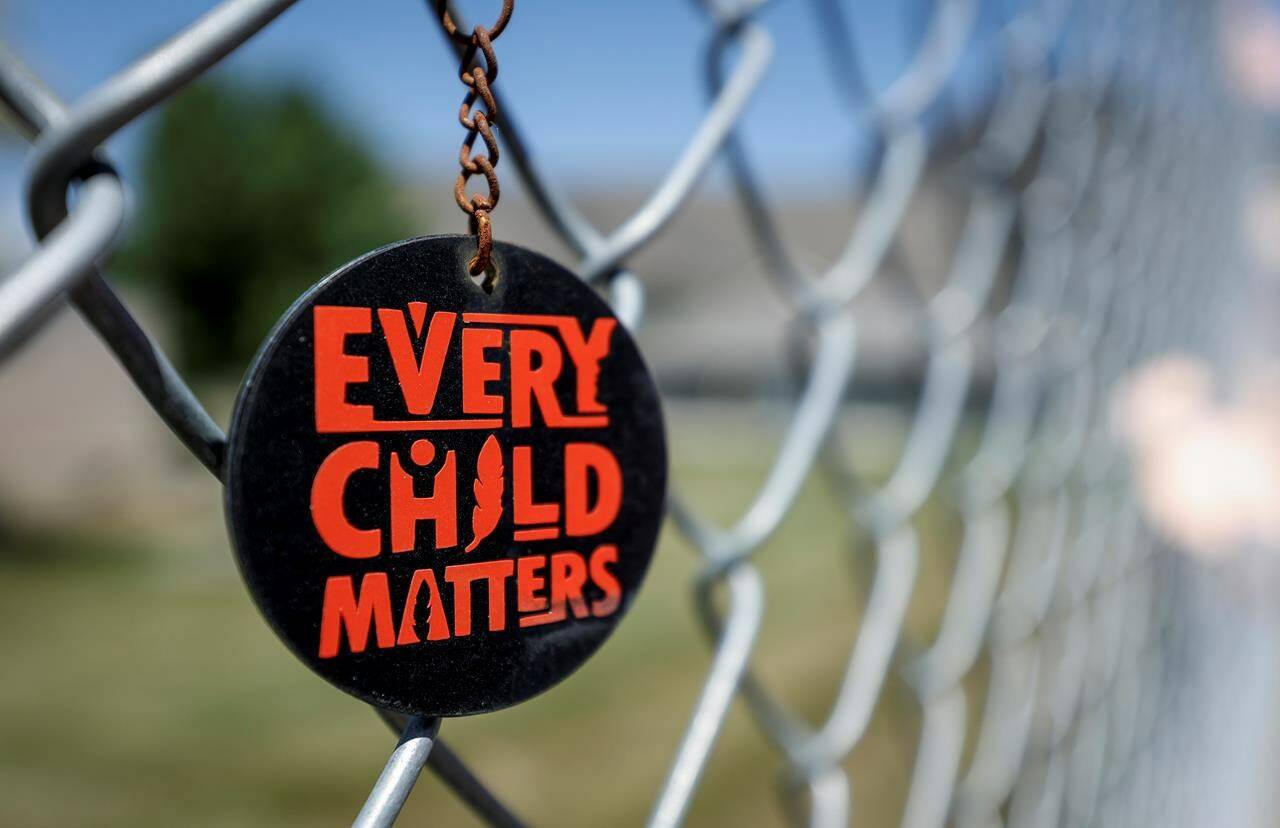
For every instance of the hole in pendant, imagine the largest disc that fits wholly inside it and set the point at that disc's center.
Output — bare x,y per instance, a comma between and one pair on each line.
487,278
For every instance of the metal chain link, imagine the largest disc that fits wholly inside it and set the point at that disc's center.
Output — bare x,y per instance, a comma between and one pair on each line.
1097,187
478,79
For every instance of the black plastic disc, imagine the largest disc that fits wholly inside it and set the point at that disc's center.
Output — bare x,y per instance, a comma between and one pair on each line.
444,497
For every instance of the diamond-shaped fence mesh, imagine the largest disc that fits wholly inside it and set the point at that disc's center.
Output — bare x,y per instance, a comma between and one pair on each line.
1065,682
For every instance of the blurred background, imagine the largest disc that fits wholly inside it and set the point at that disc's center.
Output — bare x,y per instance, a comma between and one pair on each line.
142,687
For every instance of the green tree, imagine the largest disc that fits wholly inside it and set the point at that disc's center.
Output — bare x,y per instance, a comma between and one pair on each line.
249,196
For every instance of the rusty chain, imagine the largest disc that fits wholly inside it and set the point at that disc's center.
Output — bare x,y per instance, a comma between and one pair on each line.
478,77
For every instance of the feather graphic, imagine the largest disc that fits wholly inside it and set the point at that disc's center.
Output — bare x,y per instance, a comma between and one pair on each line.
488,490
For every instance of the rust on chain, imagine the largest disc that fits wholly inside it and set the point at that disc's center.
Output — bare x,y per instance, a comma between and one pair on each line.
442,8
478,71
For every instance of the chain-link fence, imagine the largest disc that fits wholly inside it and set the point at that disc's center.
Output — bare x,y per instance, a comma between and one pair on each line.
1066,683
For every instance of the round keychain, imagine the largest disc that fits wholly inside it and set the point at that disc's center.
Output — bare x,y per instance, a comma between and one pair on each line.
446,467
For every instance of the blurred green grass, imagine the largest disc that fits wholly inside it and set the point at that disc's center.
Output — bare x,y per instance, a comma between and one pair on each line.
142,687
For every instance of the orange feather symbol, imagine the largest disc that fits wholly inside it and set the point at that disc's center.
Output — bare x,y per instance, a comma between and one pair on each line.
488,491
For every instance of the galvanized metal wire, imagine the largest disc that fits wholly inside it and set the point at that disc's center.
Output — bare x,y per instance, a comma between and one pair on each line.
1097,183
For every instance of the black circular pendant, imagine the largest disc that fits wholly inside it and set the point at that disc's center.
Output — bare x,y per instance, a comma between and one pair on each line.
443,497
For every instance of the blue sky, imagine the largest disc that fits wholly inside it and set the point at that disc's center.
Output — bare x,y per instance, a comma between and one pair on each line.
606,90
